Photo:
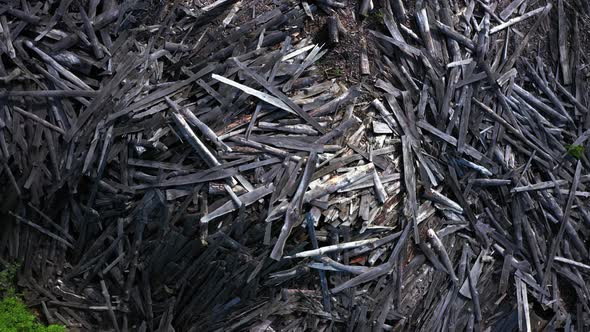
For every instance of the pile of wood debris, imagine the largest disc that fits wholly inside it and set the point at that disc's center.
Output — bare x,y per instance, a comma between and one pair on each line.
202,174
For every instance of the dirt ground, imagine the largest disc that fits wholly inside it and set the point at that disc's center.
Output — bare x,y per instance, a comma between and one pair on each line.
343,59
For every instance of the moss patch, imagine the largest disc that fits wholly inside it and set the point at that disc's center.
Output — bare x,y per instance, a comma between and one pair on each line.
14,314
15,317
576,151
8,279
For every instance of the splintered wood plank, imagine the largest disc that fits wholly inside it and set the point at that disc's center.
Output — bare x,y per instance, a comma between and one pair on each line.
563,28
565,220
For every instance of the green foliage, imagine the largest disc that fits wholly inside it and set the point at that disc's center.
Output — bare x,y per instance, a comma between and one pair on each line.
15,317
576,151
7,279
